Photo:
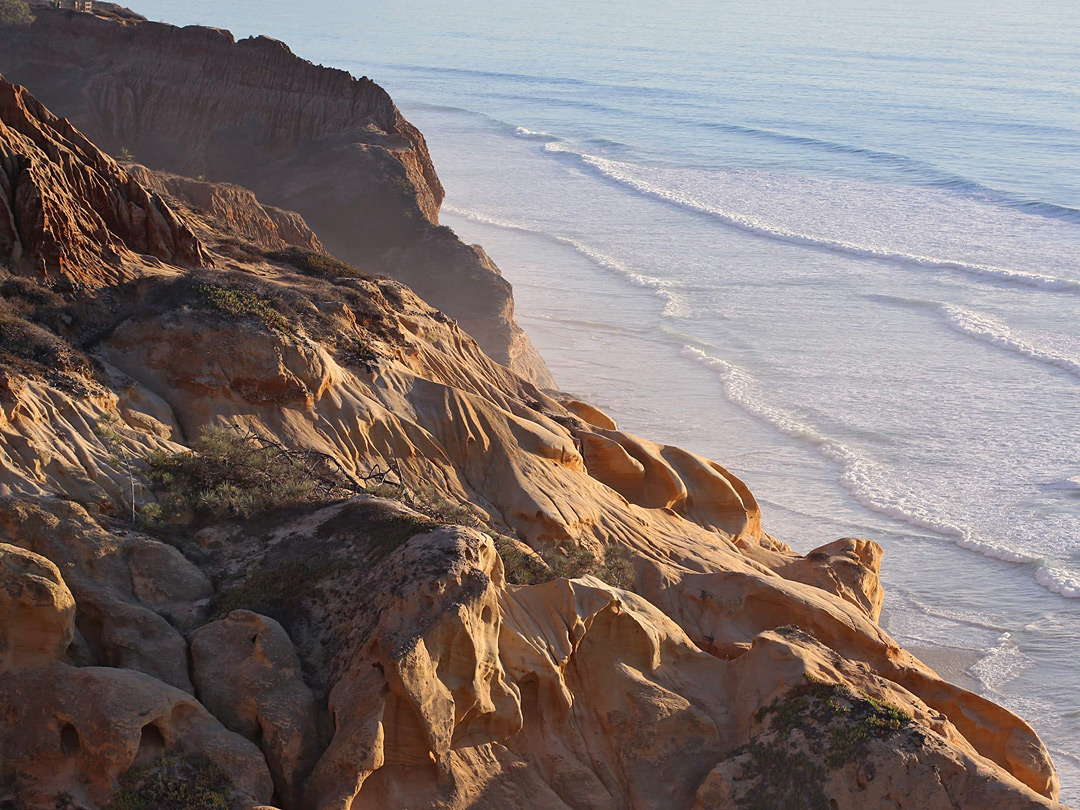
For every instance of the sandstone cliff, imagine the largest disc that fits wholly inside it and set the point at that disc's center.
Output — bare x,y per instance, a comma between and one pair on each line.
303,137
211,588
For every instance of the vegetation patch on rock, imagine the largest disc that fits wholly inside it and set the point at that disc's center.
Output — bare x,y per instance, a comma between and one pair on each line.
233,474
15,12
313,263
382,527
615,566
815,727
31,351
239,303
175,783
278,593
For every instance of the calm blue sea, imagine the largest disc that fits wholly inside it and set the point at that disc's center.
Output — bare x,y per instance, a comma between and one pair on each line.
832,243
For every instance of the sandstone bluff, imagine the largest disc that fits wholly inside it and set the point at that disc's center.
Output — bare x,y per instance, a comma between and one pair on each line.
276,532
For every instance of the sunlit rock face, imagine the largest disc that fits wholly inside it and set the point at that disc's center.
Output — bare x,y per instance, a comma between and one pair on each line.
303,137
458,647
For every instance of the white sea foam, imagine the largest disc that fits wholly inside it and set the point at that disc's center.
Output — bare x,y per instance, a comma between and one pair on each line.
675,305
534,135
989,330
865,480
1005,662
484,219
633,177
996,333
1059,581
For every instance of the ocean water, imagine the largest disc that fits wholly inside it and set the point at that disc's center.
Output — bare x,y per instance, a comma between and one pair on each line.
833,244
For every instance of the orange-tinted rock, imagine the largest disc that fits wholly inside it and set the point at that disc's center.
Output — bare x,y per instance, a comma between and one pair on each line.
848,567
235,208
304,137
76,730
248,675
445,685
37,611
68,212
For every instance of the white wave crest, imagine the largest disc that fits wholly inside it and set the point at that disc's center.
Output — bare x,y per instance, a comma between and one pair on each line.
675,306
864,479
996,333
534,135
624,174
484,219
1059,581
1002,664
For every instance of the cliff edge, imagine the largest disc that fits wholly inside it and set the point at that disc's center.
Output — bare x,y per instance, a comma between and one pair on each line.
277,533
302,137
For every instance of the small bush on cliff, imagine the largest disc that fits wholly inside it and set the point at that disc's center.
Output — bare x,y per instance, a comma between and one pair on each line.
614,567
427,500
242,304
232,474
360,353
278,593
815,726
853,718
175,783
14,12
316,264
31,351
520,567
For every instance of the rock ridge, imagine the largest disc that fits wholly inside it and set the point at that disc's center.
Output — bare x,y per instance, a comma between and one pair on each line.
307,138
534,609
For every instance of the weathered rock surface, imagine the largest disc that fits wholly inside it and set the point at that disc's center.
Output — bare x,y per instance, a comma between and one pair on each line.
68,212
248,675
303,137
402,667
37,611
235,208
119,583
75,730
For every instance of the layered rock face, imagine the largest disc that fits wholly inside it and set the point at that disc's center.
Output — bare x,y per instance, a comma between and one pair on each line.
547,611
303,137
68,212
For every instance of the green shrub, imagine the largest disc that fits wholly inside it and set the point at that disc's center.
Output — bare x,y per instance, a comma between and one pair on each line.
835,718
521,568
15,12
241,304
428,501
316,264
278,592
230,474
615,567
175,783
392,492
785,779
358,352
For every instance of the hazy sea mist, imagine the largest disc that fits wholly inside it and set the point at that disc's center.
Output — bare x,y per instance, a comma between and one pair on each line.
832,244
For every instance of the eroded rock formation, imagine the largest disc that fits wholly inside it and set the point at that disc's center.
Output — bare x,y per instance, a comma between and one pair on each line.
68,212
301,136
355,651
